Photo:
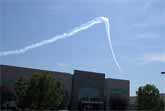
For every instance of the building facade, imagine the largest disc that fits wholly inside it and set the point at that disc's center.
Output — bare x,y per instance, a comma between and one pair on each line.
83,90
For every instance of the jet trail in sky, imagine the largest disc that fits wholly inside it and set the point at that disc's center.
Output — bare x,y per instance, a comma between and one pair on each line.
80,28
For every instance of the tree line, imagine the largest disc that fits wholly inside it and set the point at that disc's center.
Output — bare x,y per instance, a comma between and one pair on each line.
42,91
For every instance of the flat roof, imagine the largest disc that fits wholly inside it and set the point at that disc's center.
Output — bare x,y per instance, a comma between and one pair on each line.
11,66
92,72
117,79
29,68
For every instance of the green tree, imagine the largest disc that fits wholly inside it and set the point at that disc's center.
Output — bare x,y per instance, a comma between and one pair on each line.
41,92
148,98
21,87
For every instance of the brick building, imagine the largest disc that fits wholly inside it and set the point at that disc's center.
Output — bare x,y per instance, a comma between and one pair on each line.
85,90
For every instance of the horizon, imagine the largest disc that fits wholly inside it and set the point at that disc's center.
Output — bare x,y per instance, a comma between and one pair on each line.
71,73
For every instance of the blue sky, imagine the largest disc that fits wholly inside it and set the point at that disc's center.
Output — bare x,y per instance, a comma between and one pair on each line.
137,31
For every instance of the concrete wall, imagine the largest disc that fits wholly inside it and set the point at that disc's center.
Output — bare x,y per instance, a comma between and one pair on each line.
132,103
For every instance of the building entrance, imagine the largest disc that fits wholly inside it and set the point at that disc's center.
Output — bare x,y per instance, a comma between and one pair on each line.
91,105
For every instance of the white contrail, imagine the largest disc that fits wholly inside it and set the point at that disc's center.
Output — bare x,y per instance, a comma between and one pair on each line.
69,34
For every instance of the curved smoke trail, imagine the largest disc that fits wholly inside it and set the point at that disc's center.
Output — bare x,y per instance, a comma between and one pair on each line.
66,35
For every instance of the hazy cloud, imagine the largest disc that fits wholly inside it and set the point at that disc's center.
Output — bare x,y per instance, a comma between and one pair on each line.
60,64
147,36
140,25
155,57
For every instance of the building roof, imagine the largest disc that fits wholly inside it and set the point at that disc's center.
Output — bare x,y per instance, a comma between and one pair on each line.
117,79
88,72
28,68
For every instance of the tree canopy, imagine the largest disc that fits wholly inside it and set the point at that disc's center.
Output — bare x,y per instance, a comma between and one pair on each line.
40,91
148,98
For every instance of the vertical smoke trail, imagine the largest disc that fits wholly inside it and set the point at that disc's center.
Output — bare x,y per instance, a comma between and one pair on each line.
107,27
67,35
